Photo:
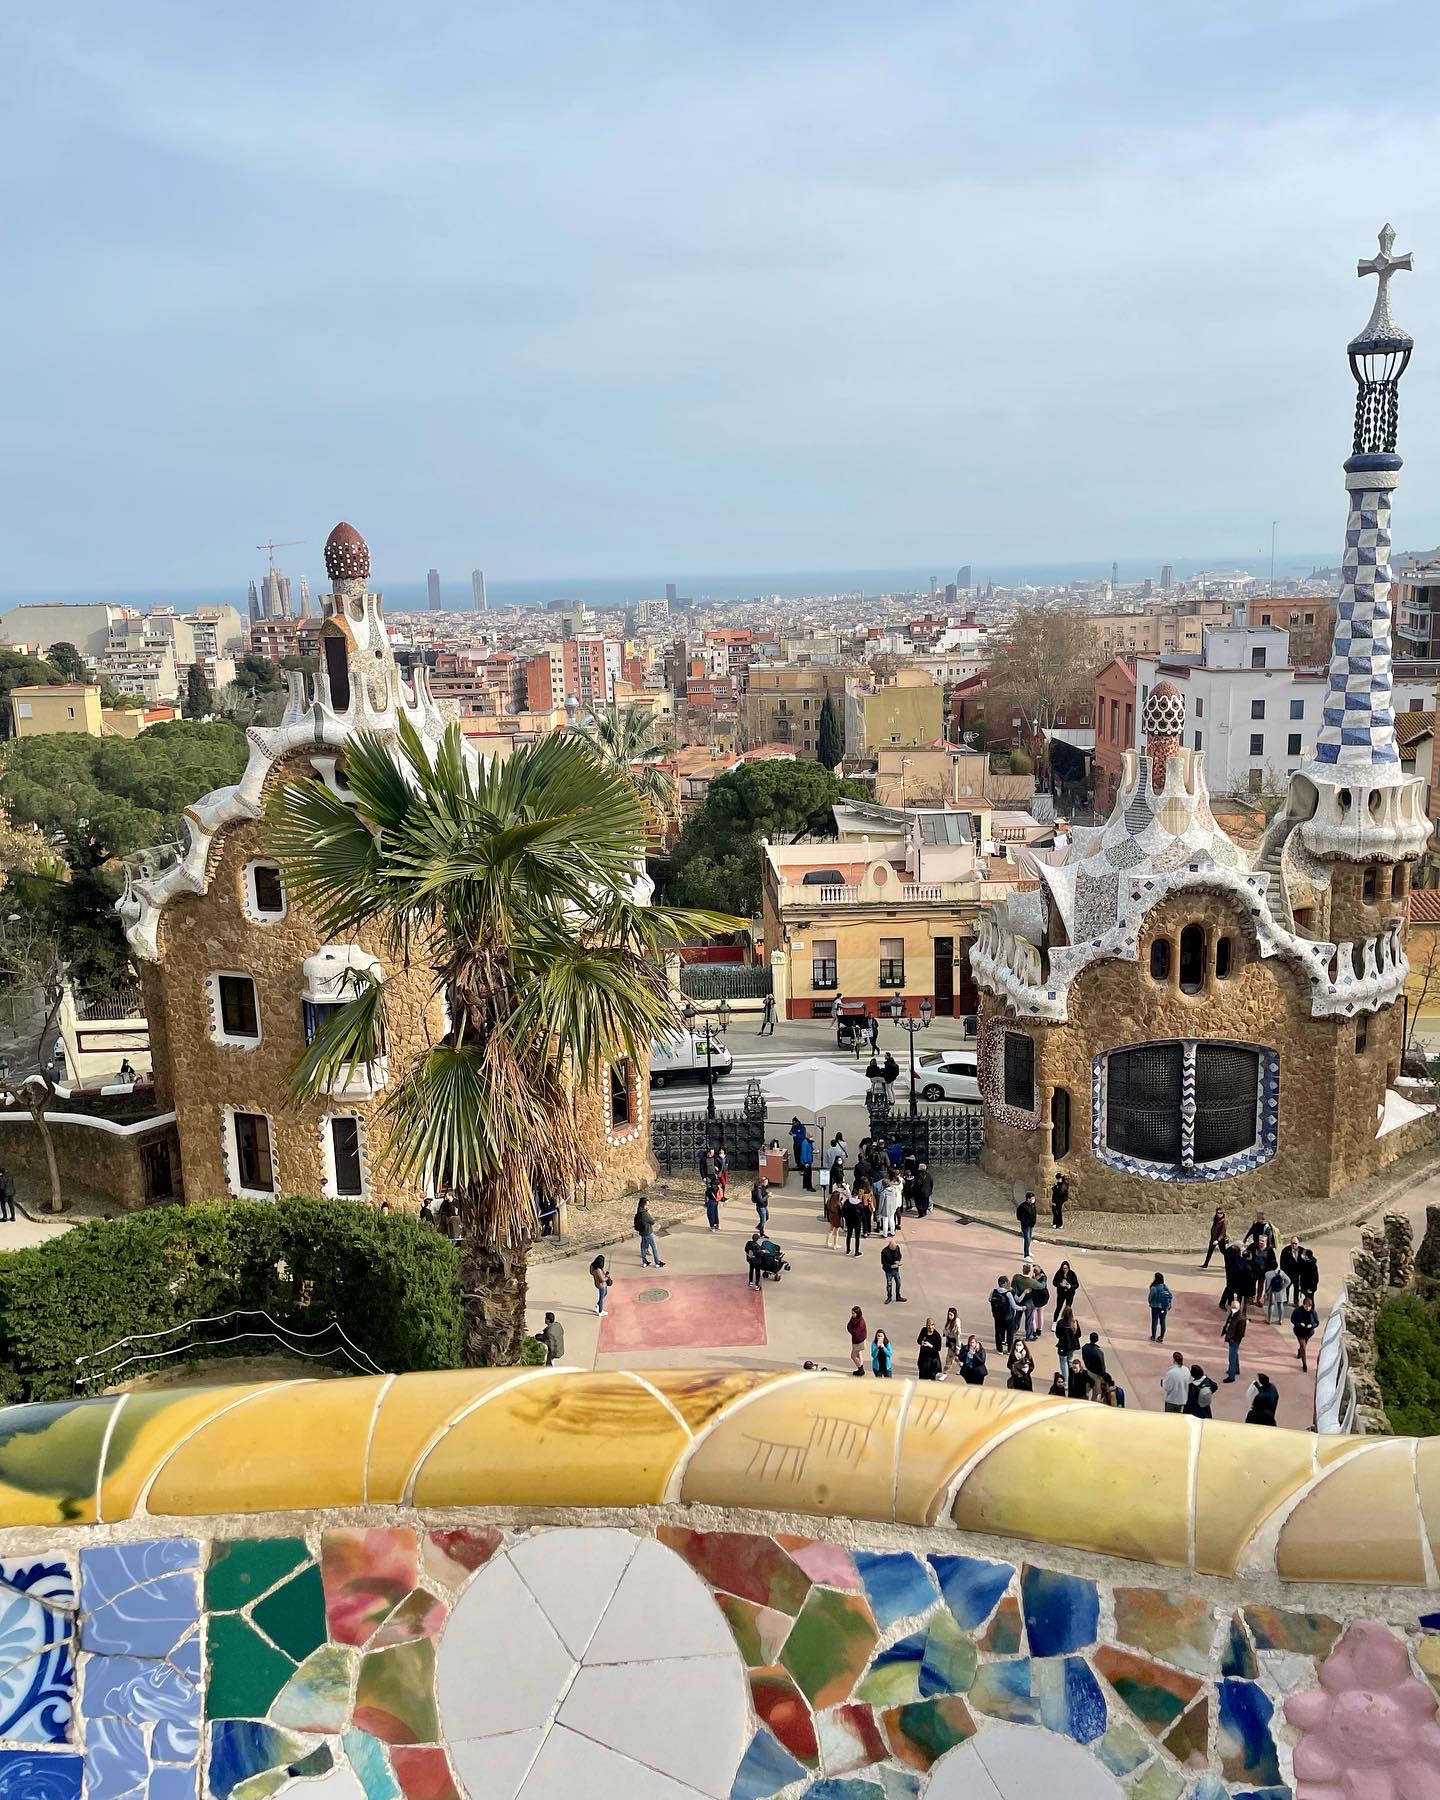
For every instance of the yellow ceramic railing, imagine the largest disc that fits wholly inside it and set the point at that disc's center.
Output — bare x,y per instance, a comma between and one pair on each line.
1217,1498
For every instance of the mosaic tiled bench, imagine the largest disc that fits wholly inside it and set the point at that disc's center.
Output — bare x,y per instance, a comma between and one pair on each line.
537,1584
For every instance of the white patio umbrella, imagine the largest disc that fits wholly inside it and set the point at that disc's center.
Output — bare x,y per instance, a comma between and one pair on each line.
815,1085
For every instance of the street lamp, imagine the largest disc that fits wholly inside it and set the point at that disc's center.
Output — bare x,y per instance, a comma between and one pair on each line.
714,1029
910,1027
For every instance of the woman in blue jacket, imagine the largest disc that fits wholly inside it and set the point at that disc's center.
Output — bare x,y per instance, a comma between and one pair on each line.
880,1357
1161,1301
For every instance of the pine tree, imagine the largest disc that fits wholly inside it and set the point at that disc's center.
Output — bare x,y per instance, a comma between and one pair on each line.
199,701
829,738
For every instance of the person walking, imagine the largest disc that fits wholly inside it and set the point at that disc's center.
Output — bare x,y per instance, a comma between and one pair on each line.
712,1202
1021,1365
7,1198
1025,1213
928,1344
837,1009
1276,1282
860,1033
873,1026
972,1363
1023,1288
859,1331
760,1200
767,1016
1199,1394
1005,1313
1059,1200
1264,1397
603,1280
645,1231
1309,1272
722,1172
1303,1322
1290,1267
805,1156
1161,1300
924,1190
752,1256
1219,1231
1066,1284
890,1258
1067,1333
836,1201
1238,1274
890,1074
1175,1384
1232,1332
950,1331
1093,1357
552,1335
852,1211
881,1358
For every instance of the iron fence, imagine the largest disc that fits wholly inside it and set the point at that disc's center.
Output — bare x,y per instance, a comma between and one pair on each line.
680,1140
725,981
941,1134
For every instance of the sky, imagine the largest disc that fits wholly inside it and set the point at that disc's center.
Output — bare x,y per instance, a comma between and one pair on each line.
582,289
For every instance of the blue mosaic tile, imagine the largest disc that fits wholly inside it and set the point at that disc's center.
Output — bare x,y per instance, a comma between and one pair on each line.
173,1784
142,1600
116,1763
37,1697
1062,1612
845,1787
369,1761
32,1775
1209,1787
895,1585
764,1770
900,1784
950,1658
186,1656
44,1579
1003,1691
37,1664
1430,1621
1070,1698
175,1743
1247,1750
240,1748
972,1587
132,1687
1238,1658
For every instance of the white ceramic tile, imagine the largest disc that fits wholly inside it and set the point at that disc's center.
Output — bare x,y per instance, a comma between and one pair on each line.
502,1668
1021,1762
570,1767
573,1575
493,1768
339,1784
686,1718
660,1609
961,1776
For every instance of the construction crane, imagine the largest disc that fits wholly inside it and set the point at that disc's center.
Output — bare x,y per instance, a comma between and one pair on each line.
286,544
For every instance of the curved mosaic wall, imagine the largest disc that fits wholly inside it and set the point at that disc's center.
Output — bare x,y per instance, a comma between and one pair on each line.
535,1584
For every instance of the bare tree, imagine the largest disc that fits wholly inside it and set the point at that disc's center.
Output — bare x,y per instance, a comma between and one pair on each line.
1045,668
31,963
1423,952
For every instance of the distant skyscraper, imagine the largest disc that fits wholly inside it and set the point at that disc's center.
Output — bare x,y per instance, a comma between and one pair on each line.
934,587
1147,588
1167,578
670,592
1114,577
477,589
963,578
275,603
253,602
432,583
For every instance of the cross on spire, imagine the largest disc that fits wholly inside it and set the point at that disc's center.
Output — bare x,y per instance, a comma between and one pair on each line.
1381,326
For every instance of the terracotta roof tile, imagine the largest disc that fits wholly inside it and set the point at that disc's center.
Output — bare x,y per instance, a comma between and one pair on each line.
1425,906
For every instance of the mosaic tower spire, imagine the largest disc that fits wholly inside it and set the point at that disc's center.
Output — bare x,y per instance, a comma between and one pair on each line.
1352,798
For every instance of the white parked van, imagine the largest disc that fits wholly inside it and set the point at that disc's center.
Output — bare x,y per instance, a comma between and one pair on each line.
680,1056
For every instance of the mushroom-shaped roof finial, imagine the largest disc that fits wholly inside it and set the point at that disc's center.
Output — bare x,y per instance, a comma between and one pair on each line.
347,556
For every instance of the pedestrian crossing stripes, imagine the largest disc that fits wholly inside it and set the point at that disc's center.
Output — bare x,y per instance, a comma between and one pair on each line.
687,1093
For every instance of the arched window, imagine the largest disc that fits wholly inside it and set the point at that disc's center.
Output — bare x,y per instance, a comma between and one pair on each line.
1368,889
1020,1071
1222,959
621,1107
1192,959
1060,1123
1160,960
1145,1089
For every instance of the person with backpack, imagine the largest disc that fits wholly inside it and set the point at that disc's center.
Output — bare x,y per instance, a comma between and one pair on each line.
752,1256
1161,1300
1005,1313
645,1231
1264,1398
1025,1213
1202,1389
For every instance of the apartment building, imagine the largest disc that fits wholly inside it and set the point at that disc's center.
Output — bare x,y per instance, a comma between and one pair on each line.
1417,613
941,775
277,638
147,672
781,704
585,667
1309,619
1158,630
43,623
1114,726
907,710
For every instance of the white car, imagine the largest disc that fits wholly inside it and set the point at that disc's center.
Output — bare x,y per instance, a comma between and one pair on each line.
680,1055
948,1075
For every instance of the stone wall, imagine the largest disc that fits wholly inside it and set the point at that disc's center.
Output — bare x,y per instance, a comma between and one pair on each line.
95,1162
1385,1265
1330,1094
537,1584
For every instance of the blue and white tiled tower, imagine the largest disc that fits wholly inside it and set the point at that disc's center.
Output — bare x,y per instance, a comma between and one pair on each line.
1353,800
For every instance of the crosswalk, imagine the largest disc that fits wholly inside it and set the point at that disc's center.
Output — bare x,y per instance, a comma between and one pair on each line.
688,1093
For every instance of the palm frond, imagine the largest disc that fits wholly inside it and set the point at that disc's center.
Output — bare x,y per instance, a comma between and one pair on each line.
351,1039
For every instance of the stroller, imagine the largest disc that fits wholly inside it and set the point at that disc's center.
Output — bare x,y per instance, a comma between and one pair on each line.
770,1259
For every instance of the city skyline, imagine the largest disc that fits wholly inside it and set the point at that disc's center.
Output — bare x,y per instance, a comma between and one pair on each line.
895,281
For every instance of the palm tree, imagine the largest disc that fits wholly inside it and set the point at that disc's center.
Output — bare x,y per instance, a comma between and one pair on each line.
629,742
515,885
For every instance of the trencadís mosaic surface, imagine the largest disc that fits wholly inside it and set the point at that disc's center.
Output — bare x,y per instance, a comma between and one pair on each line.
873,1600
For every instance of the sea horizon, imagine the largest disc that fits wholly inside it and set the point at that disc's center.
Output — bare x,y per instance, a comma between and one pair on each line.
611,591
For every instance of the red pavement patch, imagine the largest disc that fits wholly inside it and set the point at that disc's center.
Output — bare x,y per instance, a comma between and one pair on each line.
700,1312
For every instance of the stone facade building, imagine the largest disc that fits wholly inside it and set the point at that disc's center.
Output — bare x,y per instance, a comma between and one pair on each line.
237,977
1159,1016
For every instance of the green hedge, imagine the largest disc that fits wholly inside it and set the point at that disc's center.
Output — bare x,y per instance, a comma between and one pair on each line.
391,1282
1407,1361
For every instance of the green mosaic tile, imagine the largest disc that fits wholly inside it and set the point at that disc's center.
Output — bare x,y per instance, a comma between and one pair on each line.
317,1696
245,1672
1157,1783
395,1695
950,1659
829,1645
245,1568
293,1617
919,1735
891,1684
760,1631
1123,1749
